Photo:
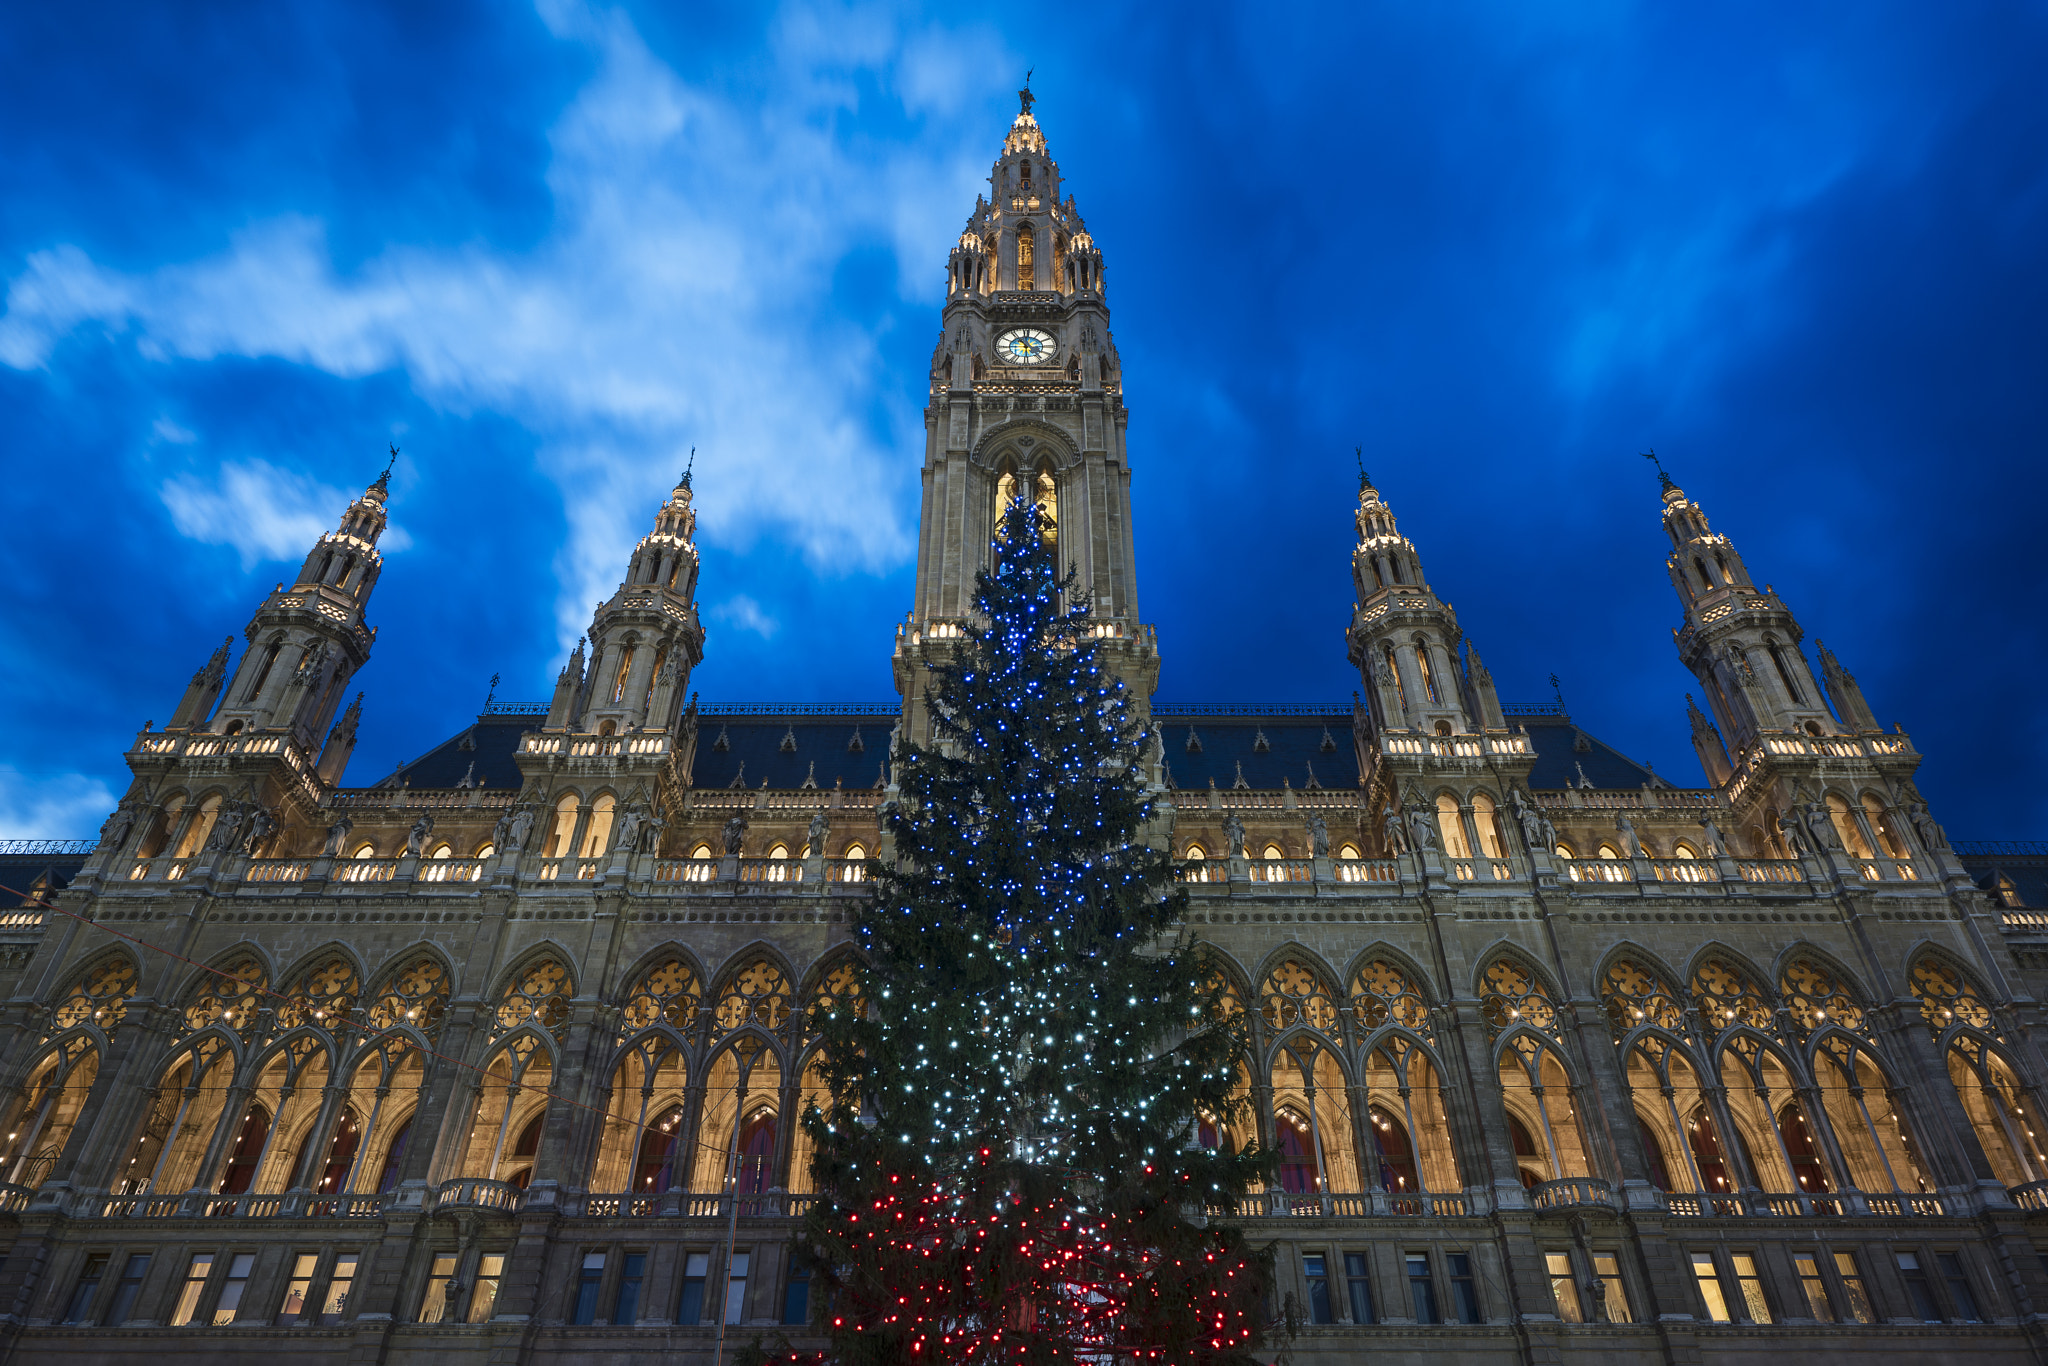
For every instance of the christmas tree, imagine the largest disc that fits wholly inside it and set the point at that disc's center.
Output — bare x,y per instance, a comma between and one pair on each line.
1011,1169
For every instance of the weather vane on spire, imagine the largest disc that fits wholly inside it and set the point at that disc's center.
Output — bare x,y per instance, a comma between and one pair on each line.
1024,96
687,468
1364,480
383,481
1651,456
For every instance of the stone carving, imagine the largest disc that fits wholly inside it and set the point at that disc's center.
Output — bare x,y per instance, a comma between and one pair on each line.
651,831
416,838
1738,663
1821,828
1233,836
734,834
337,836
819,829
1630,845
1795,838
1527,817
1716,846
522,826
1393,834
225,828
1549,835
1318,837
1422,827
262,825
114,833
1932,836
629,829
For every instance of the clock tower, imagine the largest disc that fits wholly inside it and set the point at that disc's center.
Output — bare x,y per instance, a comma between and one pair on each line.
1026,395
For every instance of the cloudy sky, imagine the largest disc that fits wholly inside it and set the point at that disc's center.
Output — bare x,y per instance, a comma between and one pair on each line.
1800,250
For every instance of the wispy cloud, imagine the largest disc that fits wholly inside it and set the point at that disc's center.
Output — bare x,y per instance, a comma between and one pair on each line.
51,805
167,430
682,299
744,613
264,512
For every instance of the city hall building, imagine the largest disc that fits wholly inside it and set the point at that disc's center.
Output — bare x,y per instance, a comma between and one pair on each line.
502,1058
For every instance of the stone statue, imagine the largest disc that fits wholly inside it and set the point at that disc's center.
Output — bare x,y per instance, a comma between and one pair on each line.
1318,837
1526,816
261,827
114,833
1422,827
1233,836
1821,828
225,828
735,834
501,833
337,836
1932,836
1393,834
1795,838
1716,846
416,838
650,833
522,826
820,829
629,829
1549,835
1630,845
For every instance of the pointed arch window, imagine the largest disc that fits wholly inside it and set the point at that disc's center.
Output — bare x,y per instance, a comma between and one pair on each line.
1947,997
1881,826
1785,674
1428,675
660,1152
1486,819
200,826
231,995
250,1141
540,996
1027,253
414,995
1300,1167
758,994
99,996
564,827
1450,824
1635,996
625,673
262,673
1510,996
757,1152
1295,993
669,993
322,996
1726,997
1394,672
1382,994
838,993
1816,996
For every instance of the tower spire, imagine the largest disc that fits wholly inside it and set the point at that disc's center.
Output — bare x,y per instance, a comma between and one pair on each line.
1663,478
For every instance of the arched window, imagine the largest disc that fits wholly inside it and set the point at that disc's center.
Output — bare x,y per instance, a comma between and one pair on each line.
1653,1154
367,849
1394,563
1881,825
598,834
200,827
1428,675
1682,850
443,850
564,828
1049,502
414,995
1809,1172
625,672
1393,1154
327,1176
1564,851
262,673
1348,851
1006,493
250,1142
540,996
1195,853
1844,821
230,995
1726,996
1816,996
519,1166
1027,269
1607,851
668,994
1637,996
1450,824
394,1158
1706,579
1394,672
1300,1172
99,996
758,994
1705,1140
1530,1166
1785,674
757,1152
1487,819
654,1167
1295,993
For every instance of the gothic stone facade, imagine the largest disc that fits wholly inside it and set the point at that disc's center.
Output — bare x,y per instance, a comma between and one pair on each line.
500,1059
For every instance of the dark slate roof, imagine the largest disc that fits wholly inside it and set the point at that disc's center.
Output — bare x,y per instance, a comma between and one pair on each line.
788,751
482,753
1560,760
2025,865
1299,750
20,873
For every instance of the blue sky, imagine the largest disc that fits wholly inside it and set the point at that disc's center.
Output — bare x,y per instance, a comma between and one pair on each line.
1801,250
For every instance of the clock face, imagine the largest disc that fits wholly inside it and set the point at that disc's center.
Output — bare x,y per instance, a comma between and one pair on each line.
1026,346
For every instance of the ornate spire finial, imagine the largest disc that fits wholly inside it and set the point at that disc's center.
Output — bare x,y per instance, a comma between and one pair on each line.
1651,456
1024,96
1364,479
1558,689
383,481
684,482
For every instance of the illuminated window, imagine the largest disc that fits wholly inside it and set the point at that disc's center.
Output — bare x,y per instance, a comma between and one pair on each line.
1881,826
1429,686
1026,264
1845,825
625,670
1487,819
1785,674
1451,826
